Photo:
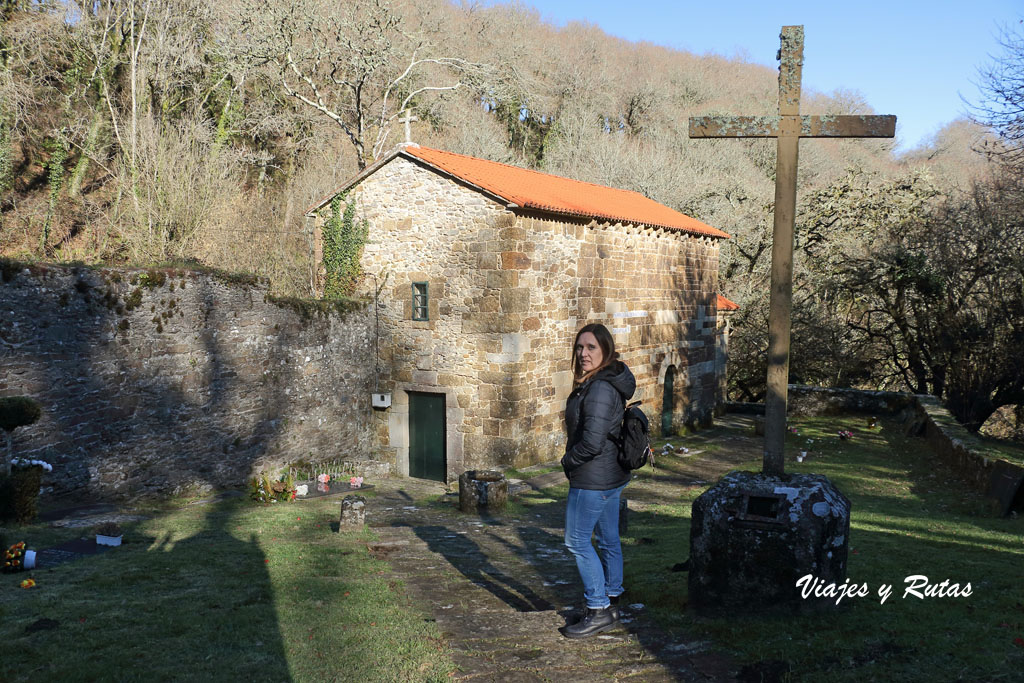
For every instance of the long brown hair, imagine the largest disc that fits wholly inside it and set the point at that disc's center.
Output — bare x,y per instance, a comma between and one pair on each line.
607,344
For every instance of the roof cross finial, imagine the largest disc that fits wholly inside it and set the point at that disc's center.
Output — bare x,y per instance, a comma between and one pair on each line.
407,118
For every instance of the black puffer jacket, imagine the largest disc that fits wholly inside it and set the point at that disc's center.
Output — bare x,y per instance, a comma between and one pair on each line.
593,417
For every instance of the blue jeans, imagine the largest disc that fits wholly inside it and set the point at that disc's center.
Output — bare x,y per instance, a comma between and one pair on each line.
589,512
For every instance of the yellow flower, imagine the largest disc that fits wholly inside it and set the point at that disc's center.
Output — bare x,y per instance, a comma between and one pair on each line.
28,583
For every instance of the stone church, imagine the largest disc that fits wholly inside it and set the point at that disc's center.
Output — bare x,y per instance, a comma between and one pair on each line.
482,273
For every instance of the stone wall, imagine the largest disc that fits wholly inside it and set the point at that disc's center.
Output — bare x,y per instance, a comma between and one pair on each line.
806,400
1002,481
508,290
654,289
167,381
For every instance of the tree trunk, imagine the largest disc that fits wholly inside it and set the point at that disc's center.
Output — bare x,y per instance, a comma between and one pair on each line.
78,175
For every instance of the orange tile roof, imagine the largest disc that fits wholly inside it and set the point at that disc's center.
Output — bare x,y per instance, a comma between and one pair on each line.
554,194
726,305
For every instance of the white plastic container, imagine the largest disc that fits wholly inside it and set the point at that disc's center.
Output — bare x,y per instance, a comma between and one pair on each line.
29,560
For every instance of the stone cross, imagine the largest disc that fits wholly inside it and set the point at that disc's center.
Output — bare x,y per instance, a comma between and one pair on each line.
407,118
788,127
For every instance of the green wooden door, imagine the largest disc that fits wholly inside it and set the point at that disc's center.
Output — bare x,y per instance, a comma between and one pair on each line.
426,436
668,401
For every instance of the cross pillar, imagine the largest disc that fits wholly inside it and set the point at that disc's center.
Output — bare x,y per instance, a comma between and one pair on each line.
788,127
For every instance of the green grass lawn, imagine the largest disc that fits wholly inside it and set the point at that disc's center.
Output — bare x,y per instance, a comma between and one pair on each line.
229,591
909,516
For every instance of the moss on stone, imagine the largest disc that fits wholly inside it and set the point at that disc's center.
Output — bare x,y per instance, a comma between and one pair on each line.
133,300
152,279
309,308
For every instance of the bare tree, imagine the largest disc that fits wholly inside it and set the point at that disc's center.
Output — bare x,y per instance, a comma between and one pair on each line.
354,62
1002,97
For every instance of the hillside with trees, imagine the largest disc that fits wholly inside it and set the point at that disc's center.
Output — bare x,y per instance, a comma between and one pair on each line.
179,131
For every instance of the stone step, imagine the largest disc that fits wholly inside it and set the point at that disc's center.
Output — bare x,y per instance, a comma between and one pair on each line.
545,480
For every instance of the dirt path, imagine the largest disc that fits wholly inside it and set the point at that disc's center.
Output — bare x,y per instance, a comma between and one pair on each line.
499,588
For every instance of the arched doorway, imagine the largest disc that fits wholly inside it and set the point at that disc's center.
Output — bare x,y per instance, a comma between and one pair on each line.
668,401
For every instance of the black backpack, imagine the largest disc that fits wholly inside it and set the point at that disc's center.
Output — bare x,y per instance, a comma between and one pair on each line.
634,439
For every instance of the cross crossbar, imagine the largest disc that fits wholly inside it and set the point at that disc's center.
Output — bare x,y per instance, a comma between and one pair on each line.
844,126
787,128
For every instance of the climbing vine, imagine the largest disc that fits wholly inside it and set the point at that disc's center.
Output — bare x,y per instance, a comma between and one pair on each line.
6,162
344,238
55,177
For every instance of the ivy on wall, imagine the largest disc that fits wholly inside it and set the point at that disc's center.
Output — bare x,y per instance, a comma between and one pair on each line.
344,239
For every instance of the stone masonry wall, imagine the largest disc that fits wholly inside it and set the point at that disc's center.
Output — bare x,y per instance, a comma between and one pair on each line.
508,290
427,228
170,381
654,289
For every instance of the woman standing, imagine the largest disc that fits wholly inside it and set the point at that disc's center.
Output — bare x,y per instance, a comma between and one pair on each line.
593,418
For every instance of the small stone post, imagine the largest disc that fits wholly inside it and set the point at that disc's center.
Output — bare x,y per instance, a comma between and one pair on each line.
353,511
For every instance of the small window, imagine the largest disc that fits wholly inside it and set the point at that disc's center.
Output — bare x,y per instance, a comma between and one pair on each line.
420,300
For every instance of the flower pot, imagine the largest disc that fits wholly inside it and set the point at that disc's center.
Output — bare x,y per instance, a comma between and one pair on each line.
107,540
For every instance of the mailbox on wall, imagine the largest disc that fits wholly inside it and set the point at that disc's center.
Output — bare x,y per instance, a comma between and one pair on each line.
381,400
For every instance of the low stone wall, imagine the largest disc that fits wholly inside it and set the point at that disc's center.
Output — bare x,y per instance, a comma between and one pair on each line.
806,401
924,416
168,381
998,479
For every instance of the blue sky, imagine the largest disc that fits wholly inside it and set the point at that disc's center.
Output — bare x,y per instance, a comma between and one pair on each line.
909,58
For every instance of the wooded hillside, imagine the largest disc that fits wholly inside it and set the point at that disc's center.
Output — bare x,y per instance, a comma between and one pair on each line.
152,131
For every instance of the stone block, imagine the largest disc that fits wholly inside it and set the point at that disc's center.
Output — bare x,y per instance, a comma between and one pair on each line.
753,536
502,409
515,392
353,511
515,260
423,377
512,233
531,324
482,491
515,300
500,279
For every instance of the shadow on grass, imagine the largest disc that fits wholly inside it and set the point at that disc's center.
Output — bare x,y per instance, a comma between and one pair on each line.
193,602
216,601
